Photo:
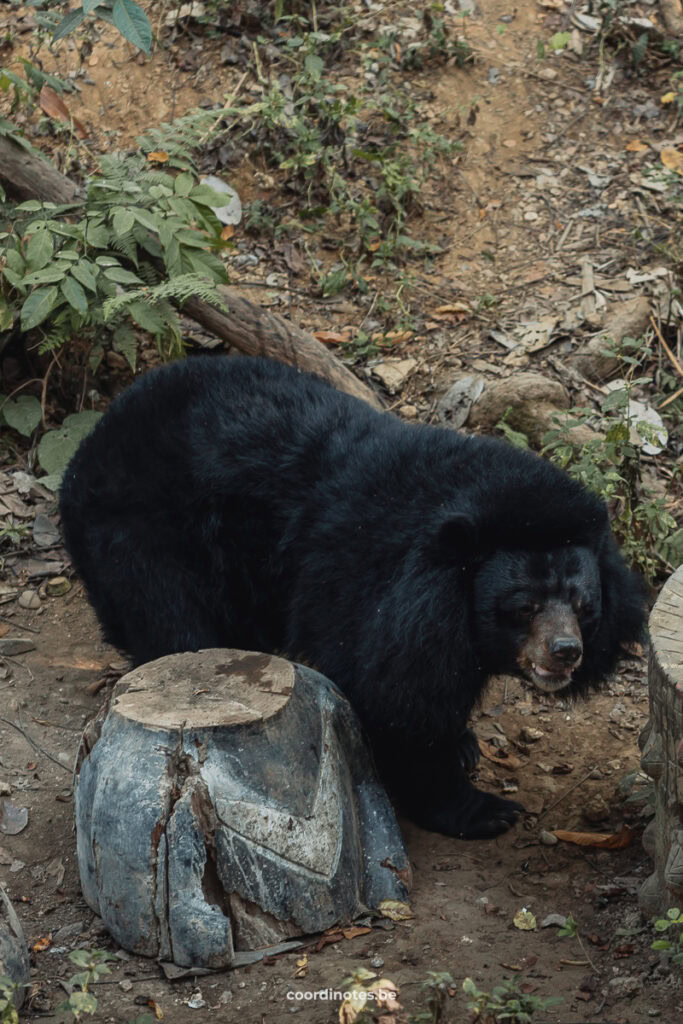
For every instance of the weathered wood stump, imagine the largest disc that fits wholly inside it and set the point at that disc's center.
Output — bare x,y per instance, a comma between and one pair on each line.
13,949
227,802
662,750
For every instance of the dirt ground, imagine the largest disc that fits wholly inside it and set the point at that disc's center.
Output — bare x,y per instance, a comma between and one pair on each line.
536,135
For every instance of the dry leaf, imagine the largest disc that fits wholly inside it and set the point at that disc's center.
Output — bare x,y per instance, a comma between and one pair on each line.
53,104
227,232
600,840
668,97
499,757
395,910
157,157
636,146
356,930
332,337
301,967
453,307
524,920
42,944
390,337
13,819
672,159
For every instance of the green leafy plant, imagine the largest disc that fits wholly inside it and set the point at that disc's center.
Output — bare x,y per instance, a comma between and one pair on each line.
94,966
434,45
127,16
141,239
674,944
611,465
506,1002
12,533
436,988
100,271
8,1011
570,930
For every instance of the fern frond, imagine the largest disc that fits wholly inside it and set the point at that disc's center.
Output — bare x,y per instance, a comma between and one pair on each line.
179,289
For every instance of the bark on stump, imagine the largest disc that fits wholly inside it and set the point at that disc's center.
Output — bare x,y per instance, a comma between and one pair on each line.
14,962
662,750
227,802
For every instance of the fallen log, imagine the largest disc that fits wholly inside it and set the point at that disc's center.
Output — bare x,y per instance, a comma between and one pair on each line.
246,327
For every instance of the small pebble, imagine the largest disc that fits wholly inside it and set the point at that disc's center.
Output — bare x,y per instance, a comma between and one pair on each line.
547,838
408,412
595,809
377,961
29,599
530,735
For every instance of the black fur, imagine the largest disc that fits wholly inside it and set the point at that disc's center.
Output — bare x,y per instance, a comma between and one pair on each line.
239,503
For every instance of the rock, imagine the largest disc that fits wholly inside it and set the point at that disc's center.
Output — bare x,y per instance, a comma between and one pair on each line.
595,809
240,784
548,839
68,931
527,734
14,961
623,319
393,373
624,986
531,398
554,920
29,599
408,412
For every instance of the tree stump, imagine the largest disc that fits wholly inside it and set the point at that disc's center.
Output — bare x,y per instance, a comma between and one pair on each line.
13,949
228,802
662,750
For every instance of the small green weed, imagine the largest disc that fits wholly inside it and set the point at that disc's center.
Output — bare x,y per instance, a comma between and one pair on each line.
12,533
570,930
506,1002
8,1011
436,988
673,945
94,966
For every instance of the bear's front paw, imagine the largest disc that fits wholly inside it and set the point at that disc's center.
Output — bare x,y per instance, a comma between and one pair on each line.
482,816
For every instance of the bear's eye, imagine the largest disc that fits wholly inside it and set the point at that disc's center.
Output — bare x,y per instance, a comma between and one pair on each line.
525,610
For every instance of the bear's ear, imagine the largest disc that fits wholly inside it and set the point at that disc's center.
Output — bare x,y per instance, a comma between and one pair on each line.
458,536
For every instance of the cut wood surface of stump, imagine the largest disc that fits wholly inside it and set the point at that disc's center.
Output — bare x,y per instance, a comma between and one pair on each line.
662,755
227,803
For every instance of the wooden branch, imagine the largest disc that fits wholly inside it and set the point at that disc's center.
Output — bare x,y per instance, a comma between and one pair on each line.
26,176
247,327
256,332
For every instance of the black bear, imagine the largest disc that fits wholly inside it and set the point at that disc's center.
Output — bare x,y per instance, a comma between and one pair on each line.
233,502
